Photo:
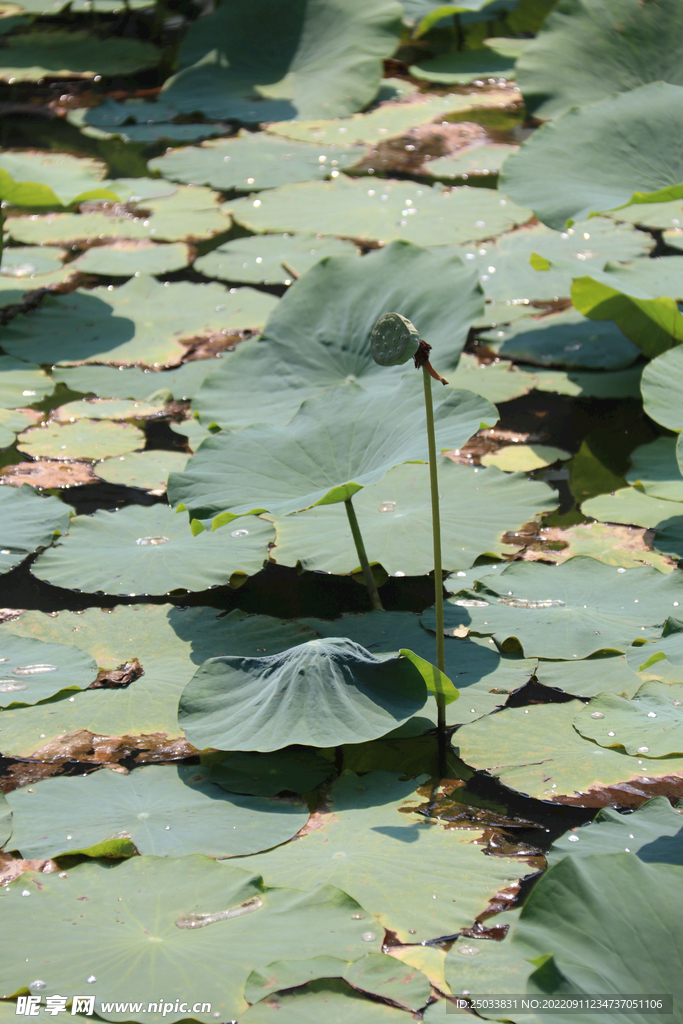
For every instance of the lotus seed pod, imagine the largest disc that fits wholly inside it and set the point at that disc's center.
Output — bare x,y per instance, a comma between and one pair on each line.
394,340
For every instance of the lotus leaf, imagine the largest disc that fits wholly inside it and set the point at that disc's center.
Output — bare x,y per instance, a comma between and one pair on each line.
566,339
65,179
30,261
148,550
590,676
422,13
132,382
538,752
644,832
319,334
105,409
473,162
169,132
12,422
395,521
256,774
328,999
589,49
649,724
31,56
595,158
5,820
661,658
172,900
654,469
264,258
496,382
321,693
143,321
84,439
662,386
458,67
316,460
33,670
147,470
370,842
631,505
356,208
22,383
124,259
29,521
617,384
169,642
193,431
250,162
163,810
524,457
613,545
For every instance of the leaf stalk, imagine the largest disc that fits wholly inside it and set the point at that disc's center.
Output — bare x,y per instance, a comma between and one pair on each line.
362,556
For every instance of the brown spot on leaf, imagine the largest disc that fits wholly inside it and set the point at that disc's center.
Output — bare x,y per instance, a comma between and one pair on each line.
122,676
48,473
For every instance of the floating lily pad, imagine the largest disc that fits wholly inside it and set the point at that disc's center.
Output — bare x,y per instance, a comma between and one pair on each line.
496,382
265,258
524,457
193,431
655,469
615,384
22,383
172,901
84,439
162,810
253,161
661,658
32,670
257,774
147,470
644,832
473,162
310,462
355,208
633,506
590,676
595,158
29,521
478,506
132,382
543,606
149,550
319,335
462,66
12,423
324,692
62,54
68,178
124,259
327,999
30,261
143,321
369,842
538,752
662,388
105,409
650,724
613,545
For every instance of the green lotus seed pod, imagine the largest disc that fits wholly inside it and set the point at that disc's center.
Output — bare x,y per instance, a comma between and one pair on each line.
394,340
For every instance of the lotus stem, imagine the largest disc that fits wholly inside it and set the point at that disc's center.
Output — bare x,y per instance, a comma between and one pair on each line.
362,556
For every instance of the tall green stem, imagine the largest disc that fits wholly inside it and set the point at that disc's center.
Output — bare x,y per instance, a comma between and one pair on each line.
362,556
438,573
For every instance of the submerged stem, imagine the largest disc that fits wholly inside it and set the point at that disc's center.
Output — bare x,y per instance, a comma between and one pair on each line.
362,556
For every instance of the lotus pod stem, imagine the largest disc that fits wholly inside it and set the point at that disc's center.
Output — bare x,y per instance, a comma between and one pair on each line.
362,556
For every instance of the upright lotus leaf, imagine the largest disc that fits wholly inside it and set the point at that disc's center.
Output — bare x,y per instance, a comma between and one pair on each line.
566,339
395,520
84,439
133,382
322,693
213,924
319,334
256,774
163,810
655,469
595,158
336,444
252,161
327,999
650,724
149,550
263,62
22,383
357,208
652,832
587,50
370,842
125,259
32,56
29,521
147,470
662,389
270,259
566,611
32,670
143,321
601,673
538,752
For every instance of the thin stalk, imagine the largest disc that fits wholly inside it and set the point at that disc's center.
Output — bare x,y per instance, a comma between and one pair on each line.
438,573
362,556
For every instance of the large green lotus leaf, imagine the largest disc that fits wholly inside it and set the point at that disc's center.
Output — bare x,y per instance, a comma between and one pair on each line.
84,439
644,832
537,751
322,693
524,458
29,521
458,67
589,49
192,431
370,843
61,54
497,382
87,119
258,774
169,642
662,658
328,999
148,550
131,382
203,953
599,941
125,259
477,507
473,162
164,810
32,670
654,468
252,161
615,384
143,321
666,216
147,470
651,724
356,208
263,259
662,389
188,214
632,506
319,334
69,178
590,676
594,158
543,607
347,439
22,383
30,261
